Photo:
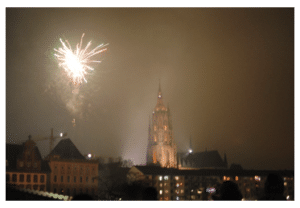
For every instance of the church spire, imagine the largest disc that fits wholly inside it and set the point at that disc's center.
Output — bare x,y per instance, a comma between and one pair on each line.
159,105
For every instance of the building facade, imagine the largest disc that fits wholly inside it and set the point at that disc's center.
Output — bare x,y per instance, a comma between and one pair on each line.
72,173
25,168
161,149
202,184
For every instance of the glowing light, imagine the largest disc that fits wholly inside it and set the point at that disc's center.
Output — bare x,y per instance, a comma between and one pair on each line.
287,197
61,134
76,63
210,190
190,150
160,178
166,178
257,178
89,155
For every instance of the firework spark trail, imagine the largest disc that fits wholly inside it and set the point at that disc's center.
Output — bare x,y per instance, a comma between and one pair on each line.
76,63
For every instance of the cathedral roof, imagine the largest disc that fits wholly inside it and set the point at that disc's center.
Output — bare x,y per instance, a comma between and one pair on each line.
207,159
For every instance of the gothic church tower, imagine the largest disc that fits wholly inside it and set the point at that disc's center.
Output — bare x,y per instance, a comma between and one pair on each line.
162,149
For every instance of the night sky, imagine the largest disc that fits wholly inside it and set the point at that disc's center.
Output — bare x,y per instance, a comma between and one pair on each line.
227,75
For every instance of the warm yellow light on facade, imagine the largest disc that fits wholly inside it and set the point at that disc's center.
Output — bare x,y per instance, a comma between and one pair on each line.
236,178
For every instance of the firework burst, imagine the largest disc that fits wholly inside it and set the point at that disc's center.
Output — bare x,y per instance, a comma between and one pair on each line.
77,63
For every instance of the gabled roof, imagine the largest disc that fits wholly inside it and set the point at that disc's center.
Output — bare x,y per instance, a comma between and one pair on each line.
207,159
67,150
15,152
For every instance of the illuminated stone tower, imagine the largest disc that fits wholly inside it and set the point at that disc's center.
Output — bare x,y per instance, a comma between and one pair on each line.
162,149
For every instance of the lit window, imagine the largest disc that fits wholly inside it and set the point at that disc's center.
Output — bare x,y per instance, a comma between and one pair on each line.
224,178
160,185
160,178
228,178
176,178
166,191
182,191
155,138
166,178
160,192
285,183
177,184
177,198
165,128
236,178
